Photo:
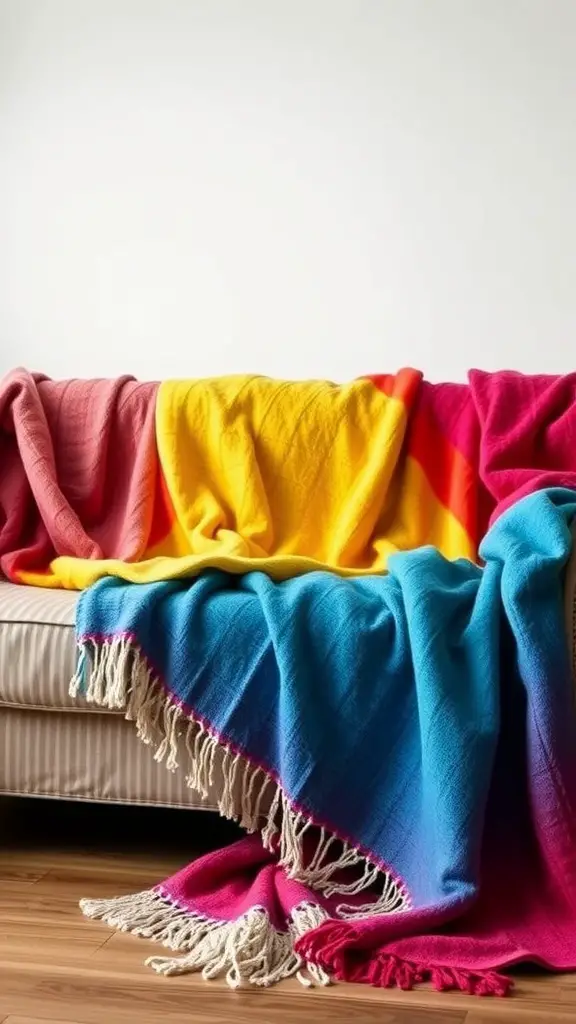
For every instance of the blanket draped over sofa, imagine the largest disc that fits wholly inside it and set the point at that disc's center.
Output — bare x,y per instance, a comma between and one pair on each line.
349,617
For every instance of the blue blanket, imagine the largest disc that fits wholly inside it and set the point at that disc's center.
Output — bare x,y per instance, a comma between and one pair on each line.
374,702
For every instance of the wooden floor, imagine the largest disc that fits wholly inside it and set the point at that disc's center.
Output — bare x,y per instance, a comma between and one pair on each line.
56,966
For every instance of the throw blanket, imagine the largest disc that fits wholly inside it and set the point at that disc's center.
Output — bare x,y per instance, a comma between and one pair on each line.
402,748
330,632
149,482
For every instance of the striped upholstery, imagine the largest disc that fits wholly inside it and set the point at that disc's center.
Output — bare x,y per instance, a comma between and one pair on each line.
37,648
84,757
45,750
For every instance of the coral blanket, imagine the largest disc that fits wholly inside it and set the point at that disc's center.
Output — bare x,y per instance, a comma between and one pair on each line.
403,745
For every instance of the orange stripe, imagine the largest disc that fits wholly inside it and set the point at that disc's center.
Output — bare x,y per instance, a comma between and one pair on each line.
403,385
452,479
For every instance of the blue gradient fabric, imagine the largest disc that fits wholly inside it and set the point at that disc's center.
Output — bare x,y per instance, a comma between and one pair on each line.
375,701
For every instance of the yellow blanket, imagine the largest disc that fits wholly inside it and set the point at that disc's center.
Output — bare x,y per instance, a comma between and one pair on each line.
286,477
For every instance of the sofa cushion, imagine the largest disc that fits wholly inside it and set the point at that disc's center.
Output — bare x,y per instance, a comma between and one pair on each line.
37,648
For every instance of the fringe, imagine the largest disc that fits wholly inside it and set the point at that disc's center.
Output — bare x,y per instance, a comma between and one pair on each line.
329,946
248,950
115,674
388,971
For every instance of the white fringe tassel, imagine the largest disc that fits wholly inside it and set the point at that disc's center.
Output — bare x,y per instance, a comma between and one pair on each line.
114,674
248,950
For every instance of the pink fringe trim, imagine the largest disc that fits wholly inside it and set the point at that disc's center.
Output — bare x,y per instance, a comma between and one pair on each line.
329,947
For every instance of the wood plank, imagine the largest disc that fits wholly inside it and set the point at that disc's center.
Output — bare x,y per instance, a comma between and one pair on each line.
61,992
95,884
28,905
496,1014
16,874
39,862
36,1020
14,949
53,933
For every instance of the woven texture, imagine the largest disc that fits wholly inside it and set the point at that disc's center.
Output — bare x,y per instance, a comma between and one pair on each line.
460,674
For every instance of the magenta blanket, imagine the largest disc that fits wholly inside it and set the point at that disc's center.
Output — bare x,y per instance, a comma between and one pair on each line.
527,433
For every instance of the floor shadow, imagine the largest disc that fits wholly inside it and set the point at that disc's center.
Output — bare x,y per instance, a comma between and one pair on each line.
81,826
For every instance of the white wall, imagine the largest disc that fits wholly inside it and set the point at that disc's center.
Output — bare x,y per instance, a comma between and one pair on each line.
295,187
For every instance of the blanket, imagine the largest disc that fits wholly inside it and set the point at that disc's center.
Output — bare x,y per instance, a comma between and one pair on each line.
78,473
348,620
399,747
149,482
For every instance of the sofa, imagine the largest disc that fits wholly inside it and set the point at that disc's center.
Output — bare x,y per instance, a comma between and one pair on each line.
49,740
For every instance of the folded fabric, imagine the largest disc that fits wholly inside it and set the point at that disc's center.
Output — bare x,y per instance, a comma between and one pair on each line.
403,744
